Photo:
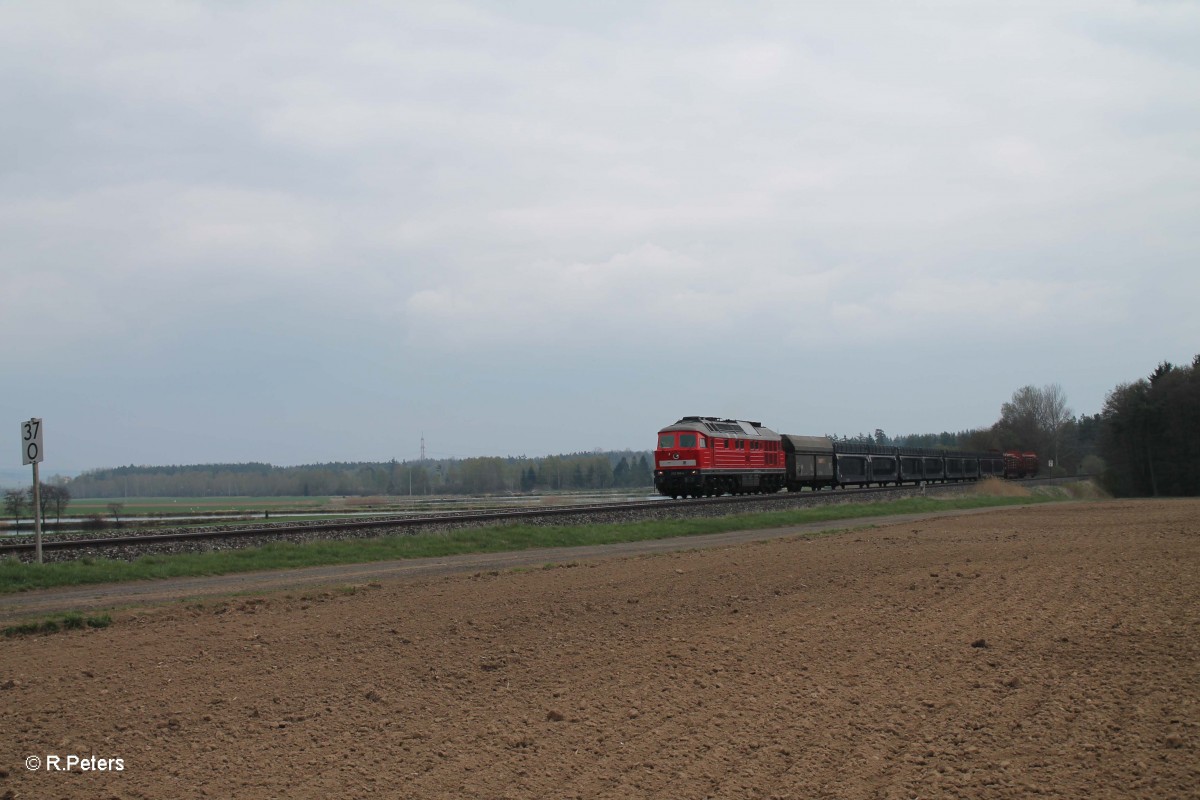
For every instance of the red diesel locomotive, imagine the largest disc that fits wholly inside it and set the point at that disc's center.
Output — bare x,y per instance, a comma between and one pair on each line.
700,456
707,456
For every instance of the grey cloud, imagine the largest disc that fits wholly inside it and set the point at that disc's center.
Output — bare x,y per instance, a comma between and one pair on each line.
422,199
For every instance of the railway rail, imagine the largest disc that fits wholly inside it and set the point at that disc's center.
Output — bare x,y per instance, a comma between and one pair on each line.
133,545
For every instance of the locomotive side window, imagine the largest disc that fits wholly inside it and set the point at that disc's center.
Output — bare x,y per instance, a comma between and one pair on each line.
687,440
666,440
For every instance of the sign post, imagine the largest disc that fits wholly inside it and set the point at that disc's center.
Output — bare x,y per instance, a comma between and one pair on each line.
31,453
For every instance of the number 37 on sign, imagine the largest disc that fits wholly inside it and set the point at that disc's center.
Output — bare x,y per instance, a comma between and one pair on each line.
31,441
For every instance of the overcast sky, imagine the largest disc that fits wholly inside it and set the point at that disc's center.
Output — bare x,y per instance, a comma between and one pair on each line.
311,231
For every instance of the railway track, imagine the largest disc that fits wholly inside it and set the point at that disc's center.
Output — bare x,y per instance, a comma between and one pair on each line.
414,523
133,545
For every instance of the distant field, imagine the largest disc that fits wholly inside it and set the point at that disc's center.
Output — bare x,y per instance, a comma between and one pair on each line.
149,506
174,506
157,511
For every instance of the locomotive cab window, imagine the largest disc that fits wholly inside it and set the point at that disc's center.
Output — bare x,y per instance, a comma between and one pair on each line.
687,440
666,440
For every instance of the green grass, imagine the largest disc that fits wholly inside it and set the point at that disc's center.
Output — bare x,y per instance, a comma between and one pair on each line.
65,622
16,576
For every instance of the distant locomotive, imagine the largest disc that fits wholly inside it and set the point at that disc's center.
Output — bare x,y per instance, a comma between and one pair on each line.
707,456
1020,465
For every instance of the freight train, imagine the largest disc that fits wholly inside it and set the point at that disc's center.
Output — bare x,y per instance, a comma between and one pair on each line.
707,456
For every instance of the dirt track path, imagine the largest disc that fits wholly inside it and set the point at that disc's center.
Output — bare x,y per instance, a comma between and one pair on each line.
121,595
1052,651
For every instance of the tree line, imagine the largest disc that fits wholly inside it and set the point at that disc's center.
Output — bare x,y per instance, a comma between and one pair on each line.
1035,419
1145,441
53,497
1150,438
470,476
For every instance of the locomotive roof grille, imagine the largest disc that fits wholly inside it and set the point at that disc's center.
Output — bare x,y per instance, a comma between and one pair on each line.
725,425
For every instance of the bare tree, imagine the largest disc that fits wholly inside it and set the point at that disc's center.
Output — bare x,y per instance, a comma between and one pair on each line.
1053,414
45,493
1034,419
58,497
14,502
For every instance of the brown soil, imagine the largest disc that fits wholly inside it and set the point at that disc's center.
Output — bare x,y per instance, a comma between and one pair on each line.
1051,651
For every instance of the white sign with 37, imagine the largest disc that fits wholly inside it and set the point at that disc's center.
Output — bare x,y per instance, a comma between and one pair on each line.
31,441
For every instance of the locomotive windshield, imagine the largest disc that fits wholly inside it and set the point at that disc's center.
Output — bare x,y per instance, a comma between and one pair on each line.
667,440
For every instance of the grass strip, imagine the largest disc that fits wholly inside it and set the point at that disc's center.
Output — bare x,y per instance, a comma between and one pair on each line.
17,576
63,622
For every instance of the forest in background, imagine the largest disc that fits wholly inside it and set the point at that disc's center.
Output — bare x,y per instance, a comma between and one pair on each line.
488,475
1144,442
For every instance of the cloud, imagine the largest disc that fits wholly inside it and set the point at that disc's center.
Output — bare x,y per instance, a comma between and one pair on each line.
988,307
657,181
650,297
621,300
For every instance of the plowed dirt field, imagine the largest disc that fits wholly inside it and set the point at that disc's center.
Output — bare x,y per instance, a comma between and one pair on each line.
1051,651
